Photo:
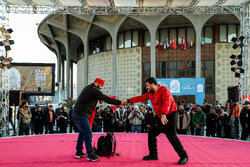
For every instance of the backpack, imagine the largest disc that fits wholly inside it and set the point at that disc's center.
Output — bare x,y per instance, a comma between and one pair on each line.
106,145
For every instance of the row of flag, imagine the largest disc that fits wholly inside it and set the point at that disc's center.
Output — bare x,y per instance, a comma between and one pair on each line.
172,43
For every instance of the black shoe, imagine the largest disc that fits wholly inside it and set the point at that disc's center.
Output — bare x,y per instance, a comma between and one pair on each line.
183,161
92,157
150,157
80,155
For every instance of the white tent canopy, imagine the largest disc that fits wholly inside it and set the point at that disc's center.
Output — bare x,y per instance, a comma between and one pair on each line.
125,3
103,7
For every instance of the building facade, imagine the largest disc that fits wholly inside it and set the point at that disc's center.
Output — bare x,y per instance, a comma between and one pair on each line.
126,50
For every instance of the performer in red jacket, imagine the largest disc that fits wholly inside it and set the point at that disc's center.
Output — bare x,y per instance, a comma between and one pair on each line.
165,120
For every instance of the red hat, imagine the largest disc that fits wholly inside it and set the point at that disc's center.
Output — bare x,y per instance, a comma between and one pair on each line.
100,81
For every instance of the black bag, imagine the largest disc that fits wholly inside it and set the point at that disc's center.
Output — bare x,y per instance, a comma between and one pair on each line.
106,145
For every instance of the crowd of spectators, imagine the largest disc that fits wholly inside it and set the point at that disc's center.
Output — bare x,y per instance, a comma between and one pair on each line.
217,120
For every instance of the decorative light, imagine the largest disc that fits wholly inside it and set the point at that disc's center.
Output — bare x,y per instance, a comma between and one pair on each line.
238,42
5,35
5,61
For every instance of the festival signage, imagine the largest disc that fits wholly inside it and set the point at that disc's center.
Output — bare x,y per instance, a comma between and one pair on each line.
185,86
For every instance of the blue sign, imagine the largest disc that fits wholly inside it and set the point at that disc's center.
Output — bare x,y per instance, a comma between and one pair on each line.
185,86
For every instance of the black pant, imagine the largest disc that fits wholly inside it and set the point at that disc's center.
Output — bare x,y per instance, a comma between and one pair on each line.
245,132
63,128
170,131
24,129
182,131
211,130
38,129
237,127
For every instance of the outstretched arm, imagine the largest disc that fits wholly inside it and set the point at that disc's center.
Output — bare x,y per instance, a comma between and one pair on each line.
103,97
137,99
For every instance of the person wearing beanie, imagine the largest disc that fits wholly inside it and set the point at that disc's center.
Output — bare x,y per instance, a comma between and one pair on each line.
136,117
83,116
166,119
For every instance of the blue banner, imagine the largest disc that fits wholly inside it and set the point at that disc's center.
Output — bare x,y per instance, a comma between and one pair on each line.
185,86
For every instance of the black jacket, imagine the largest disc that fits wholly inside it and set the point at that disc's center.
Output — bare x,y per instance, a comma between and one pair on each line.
46,117
88,98
245,117
211,120
62,120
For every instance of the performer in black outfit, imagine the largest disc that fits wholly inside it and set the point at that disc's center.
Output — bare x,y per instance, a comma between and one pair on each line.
84,108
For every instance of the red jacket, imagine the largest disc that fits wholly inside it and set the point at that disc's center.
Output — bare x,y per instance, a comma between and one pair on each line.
162,101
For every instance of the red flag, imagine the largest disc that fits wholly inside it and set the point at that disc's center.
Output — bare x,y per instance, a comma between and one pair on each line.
159,46
92,116
182,47
175,46
189,44
172,43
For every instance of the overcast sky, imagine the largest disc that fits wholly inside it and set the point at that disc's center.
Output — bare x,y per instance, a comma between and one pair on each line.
27,47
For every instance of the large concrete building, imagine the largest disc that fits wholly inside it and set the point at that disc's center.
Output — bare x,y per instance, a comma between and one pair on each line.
125,50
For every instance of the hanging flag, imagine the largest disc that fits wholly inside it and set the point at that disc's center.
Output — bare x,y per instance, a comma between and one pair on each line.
182,47
185,45
172,43
159,46
175,44
202,41
168,43
192,41
189,42
165,44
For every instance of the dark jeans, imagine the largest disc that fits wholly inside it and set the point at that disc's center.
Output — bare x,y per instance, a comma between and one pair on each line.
12,124
136,128
49,128
32,127
237,127
72,127
98,128
199,131
85,133
24,129
170,131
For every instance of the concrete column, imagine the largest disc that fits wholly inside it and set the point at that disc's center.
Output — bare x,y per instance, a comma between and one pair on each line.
152,55
114,64
85,66
68,69
63,76
198,53
59,66
198,23
71,79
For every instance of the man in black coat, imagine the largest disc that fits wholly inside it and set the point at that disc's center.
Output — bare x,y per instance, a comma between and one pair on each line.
211,123
38,120
84,108
245,120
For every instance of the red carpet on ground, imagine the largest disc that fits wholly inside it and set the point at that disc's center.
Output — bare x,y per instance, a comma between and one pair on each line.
59,150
